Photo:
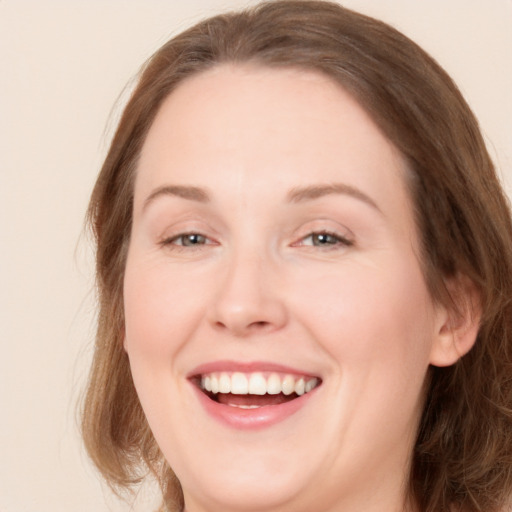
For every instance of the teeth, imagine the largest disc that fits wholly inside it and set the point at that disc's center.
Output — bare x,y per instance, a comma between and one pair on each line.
257,384
300,387
239,383
310,384
214,381
224,383
240,406
274,384
288,385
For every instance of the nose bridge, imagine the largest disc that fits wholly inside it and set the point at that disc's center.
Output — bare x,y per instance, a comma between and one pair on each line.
248,298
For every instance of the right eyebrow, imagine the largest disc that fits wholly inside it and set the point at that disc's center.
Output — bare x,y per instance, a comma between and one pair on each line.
184,191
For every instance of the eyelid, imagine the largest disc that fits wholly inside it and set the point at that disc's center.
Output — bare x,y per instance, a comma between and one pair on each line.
184,234
340,240
324,225
189,223
169,241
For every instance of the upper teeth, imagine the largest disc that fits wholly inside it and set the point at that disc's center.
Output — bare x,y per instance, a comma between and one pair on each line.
257,383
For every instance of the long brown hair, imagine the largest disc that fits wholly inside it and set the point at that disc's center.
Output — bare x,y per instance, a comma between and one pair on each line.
463,454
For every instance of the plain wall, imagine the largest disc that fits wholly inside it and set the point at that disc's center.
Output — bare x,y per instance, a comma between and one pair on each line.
63,65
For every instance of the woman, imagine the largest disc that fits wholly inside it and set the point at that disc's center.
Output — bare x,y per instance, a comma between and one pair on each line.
304,271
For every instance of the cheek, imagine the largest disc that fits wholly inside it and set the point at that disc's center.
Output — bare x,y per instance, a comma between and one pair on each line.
375,323
366,313
162,310
162,307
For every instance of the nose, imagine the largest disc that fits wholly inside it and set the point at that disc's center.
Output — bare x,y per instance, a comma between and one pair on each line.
249,298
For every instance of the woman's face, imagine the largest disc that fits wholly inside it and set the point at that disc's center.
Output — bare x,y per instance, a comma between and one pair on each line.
274,260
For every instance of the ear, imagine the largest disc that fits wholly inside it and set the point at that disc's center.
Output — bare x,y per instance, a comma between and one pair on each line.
458,322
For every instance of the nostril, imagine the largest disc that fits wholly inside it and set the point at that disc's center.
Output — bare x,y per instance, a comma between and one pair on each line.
258,326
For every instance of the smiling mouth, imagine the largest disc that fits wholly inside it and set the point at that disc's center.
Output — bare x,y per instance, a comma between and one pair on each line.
254,390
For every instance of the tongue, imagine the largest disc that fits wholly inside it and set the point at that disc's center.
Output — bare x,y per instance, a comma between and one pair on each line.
258,400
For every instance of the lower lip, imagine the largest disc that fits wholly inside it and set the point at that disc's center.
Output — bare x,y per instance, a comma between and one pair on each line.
252,419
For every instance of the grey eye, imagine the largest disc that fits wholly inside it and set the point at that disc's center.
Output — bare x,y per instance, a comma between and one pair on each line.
319,239
325,240
191,239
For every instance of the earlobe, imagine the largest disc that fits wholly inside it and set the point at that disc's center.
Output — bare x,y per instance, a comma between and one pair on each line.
459,323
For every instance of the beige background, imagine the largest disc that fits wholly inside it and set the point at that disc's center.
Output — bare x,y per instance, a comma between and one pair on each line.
63,64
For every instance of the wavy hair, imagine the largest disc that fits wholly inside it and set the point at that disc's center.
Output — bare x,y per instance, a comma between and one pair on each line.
463,454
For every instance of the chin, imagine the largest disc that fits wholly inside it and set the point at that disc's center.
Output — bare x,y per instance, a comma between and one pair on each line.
254,491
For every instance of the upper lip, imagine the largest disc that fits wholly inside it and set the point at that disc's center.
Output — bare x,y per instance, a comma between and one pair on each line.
247,367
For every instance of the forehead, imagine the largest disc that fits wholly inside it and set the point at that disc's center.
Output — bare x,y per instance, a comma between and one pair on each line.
261,126
219,102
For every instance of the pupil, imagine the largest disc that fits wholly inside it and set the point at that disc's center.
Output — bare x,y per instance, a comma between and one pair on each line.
323,239
193,239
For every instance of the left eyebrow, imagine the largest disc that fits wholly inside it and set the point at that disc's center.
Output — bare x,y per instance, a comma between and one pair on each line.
300,194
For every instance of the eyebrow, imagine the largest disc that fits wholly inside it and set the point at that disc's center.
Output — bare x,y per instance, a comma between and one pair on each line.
300,194
296,195
186,192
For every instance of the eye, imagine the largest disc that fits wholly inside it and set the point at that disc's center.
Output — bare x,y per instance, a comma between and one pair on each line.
325,239
187,240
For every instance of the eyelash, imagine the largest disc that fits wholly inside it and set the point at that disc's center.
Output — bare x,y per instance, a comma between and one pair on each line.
331,240
171,241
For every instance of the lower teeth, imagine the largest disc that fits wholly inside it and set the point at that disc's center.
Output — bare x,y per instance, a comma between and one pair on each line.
244,406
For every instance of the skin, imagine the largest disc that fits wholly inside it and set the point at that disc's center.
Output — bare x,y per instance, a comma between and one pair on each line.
260,287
